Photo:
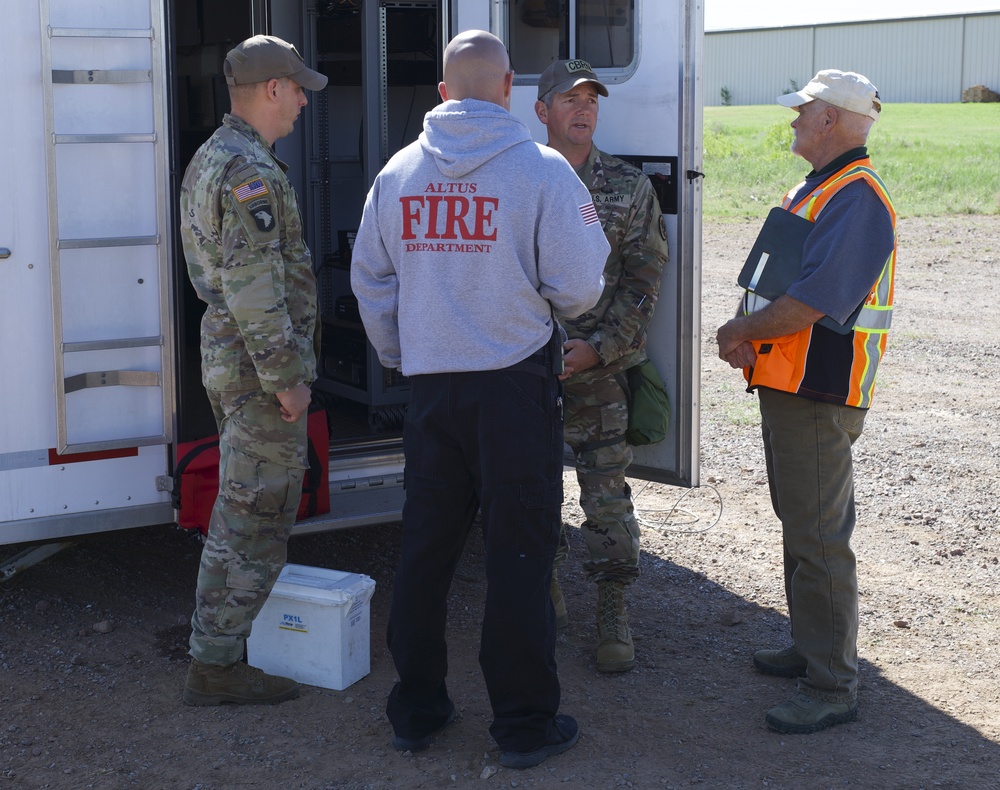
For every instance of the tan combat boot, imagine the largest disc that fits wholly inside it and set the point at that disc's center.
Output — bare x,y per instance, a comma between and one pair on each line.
785,663
615,652
237,683
558,601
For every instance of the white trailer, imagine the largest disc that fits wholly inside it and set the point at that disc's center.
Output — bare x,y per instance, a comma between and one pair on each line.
106,101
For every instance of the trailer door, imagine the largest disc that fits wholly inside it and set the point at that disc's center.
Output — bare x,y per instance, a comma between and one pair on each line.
85,288
648,54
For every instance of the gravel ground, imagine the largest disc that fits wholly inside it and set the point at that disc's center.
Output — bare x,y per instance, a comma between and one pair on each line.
92,653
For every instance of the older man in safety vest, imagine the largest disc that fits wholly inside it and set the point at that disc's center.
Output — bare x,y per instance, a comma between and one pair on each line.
815,381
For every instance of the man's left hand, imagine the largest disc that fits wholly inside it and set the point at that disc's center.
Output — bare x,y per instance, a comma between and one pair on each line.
578,356
743,356
294,402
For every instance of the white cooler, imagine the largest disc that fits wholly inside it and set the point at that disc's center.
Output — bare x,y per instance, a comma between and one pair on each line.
314,627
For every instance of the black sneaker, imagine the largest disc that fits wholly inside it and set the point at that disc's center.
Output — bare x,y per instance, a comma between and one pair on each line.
404,744
566,732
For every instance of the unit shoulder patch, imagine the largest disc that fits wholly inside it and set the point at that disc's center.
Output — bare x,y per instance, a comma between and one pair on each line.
253,201
262,214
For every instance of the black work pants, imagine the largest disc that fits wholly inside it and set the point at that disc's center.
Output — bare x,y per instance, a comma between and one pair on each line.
490,442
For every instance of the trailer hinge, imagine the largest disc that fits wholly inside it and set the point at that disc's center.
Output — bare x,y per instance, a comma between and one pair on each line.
164,483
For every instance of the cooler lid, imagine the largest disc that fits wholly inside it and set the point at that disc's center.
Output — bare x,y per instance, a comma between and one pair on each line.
322,585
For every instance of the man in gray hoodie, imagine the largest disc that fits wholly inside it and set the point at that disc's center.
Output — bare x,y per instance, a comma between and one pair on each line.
471,238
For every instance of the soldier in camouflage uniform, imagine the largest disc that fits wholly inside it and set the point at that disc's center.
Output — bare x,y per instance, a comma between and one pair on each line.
603,343
247,259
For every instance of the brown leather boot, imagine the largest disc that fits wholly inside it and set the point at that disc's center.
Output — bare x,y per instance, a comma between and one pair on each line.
615,651
237,683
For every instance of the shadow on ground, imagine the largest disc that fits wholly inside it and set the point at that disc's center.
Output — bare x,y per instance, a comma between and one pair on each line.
691,712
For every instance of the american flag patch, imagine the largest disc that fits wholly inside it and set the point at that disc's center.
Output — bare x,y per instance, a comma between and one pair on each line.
589,214
250,189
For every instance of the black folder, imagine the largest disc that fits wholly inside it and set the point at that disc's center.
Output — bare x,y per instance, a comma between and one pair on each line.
775,261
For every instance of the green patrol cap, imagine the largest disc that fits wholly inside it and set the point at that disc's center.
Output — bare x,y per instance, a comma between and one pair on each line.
564,75
263,58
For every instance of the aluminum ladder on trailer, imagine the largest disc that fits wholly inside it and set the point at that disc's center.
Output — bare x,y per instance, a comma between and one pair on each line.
107,166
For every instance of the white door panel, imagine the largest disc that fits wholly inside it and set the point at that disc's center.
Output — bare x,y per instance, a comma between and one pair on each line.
26,388
87,349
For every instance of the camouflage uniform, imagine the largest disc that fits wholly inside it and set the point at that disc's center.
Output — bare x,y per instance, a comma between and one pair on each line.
595,403
247,259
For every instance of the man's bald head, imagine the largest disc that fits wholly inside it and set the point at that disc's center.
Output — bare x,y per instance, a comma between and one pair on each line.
476,66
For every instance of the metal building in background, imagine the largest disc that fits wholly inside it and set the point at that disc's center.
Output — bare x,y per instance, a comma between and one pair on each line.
918,59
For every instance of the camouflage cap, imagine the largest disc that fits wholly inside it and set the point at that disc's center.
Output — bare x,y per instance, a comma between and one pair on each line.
564,75
263,58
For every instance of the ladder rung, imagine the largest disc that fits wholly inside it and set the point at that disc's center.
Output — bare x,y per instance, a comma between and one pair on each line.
111,378
110,345
113,444
105,138
99,32
117,241
100,76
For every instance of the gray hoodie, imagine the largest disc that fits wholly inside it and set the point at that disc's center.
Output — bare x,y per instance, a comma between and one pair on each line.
471,237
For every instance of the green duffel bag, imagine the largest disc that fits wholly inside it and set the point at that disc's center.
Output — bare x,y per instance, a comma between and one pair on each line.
648,405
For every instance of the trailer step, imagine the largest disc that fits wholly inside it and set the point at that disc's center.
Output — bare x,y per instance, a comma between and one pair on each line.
31,556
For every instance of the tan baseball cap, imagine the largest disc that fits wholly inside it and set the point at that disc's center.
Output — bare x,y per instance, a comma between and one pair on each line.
843,89
263,58
564,75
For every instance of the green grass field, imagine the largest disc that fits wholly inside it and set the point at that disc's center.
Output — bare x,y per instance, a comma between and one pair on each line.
936,159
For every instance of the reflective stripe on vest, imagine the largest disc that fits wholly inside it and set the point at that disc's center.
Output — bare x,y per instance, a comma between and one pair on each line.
876,315
854,367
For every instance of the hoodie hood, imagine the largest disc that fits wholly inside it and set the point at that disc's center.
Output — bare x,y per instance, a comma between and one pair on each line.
463,135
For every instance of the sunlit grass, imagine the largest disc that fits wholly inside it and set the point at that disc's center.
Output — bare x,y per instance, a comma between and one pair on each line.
936,159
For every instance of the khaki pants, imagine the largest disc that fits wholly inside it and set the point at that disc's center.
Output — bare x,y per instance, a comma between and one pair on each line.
807,447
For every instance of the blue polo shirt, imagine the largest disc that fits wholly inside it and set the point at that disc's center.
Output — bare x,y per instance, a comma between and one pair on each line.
847,250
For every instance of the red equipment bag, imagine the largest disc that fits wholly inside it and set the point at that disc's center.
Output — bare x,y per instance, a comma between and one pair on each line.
196,477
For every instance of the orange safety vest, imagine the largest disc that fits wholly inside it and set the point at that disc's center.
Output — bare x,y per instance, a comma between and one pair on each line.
816,362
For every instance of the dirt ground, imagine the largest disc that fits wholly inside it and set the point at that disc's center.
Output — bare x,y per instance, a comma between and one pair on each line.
92,653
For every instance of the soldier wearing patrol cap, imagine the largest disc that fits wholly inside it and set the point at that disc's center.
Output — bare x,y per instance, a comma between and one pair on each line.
603,343
248,261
